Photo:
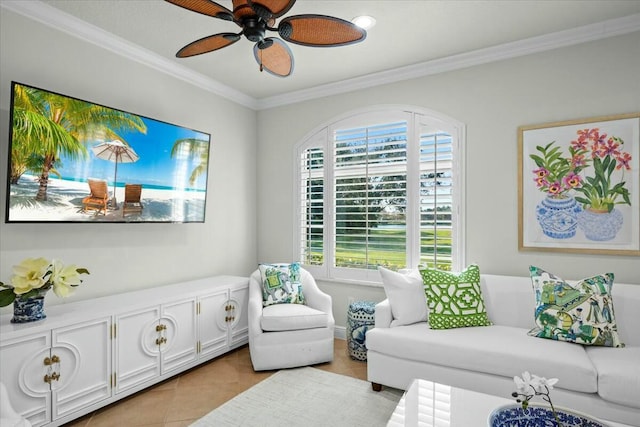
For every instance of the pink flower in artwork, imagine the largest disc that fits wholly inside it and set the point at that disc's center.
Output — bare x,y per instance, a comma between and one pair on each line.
541,172
578,160
624,161
555,188
541,182
580,144
572,180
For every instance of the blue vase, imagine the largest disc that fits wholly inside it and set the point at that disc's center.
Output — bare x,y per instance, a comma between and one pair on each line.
28,310
360,318
600,226
558,218
539,416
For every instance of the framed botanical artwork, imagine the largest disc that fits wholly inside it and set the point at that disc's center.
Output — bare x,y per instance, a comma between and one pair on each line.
579,186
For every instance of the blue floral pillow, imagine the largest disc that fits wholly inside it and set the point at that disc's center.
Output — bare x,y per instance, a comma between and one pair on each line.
281,284
581,313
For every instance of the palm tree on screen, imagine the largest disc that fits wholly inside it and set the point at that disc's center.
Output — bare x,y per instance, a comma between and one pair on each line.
192,148
49,125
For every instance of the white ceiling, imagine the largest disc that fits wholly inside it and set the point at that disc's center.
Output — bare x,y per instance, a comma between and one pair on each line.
407,34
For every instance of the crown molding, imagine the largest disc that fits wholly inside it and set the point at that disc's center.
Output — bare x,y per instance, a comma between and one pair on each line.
573,36
62,21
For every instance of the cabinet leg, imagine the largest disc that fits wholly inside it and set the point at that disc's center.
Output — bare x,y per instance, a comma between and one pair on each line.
376,386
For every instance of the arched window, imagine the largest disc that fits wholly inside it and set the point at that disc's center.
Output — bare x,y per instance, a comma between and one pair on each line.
381,186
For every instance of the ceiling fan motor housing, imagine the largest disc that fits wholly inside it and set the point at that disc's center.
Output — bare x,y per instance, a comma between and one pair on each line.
254,29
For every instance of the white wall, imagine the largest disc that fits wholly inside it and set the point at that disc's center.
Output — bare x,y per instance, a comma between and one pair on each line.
122,257
492,100
588,80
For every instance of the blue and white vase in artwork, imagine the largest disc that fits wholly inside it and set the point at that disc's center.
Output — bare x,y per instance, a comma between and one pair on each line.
558,217
28,309
600,225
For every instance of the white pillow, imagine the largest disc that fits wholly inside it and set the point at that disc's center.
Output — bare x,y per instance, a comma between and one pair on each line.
406,296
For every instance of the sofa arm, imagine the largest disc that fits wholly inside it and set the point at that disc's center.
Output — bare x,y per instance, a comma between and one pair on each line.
383,314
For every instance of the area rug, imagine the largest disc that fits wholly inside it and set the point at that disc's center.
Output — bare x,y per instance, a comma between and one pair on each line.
306,397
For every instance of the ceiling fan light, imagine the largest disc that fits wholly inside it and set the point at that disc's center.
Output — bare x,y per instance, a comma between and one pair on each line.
364,21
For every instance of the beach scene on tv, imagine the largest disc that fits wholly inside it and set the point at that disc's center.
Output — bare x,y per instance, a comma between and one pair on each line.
76,161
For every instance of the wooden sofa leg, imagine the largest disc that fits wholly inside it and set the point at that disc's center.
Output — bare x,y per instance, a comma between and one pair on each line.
376,386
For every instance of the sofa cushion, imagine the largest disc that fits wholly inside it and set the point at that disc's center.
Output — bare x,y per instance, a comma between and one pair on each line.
406,296
618,374
582,313
291,317
498,350
455,299
281,284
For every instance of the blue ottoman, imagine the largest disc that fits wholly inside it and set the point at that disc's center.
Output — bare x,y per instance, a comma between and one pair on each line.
360,317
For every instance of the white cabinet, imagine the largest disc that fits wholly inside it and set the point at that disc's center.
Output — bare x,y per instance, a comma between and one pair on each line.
237,319
54,374
222,321
212,331
137,359
89,354
177,335
154,341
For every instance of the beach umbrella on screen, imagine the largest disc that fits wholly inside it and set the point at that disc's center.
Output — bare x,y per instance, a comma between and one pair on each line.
118,152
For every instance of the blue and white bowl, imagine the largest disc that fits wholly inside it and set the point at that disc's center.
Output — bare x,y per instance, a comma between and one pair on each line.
539,416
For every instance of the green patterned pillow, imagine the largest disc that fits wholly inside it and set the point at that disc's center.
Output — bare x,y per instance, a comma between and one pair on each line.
582,313
454,299
281,284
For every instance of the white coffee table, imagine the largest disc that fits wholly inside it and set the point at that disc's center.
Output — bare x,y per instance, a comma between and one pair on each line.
430,404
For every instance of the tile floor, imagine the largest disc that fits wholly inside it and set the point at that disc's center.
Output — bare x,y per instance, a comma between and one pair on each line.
181,400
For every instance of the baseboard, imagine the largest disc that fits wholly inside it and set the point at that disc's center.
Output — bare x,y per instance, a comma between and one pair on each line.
340,332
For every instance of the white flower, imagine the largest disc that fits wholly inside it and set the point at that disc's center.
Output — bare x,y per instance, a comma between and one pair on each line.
63,278
543,385
29,274
524,385
33,277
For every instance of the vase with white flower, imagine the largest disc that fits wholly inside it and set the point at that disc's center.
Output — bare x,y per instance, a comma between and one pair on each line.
30,282
556,176
603,185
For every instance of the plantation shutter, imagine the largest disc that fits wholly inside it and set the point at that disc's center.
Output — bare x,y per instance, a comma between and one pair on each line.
436,197
370,195
311,212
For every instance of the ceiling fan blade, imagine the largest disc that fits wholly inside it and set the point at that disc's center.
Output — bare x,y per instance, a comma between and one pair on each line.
208,44
274,56
320,31
268,9
206,7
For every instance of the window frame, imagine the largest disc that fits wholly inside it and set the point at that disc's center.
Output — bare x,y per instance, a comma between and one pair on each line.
322,137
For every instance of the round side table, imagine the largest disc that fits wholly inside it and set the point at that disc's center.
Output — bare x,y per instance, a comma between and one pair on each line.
360,318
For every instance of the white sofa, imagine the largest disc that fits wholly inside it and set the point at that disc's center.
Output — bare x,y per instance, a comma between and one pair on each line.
601,381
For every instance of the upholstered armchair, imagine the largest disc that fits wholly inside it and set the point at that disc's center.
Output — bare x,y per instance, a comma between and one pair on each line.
290,335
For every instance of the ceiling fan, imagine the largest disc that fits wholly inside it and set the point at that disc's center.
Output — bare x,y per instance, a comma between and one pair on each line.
256,17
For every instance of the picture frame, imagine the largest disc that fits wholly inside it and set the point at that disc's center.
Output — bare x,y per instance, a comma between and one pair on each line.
579,186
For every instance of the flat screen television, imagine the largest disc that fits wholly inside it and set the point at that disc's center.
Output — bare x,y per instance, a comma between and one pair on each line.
72,160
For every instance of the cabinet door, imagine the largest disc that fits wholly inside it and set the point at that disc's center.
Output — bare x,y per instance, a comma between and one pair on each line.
137,356
239,323
212,329
81,358
22,369
178,335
